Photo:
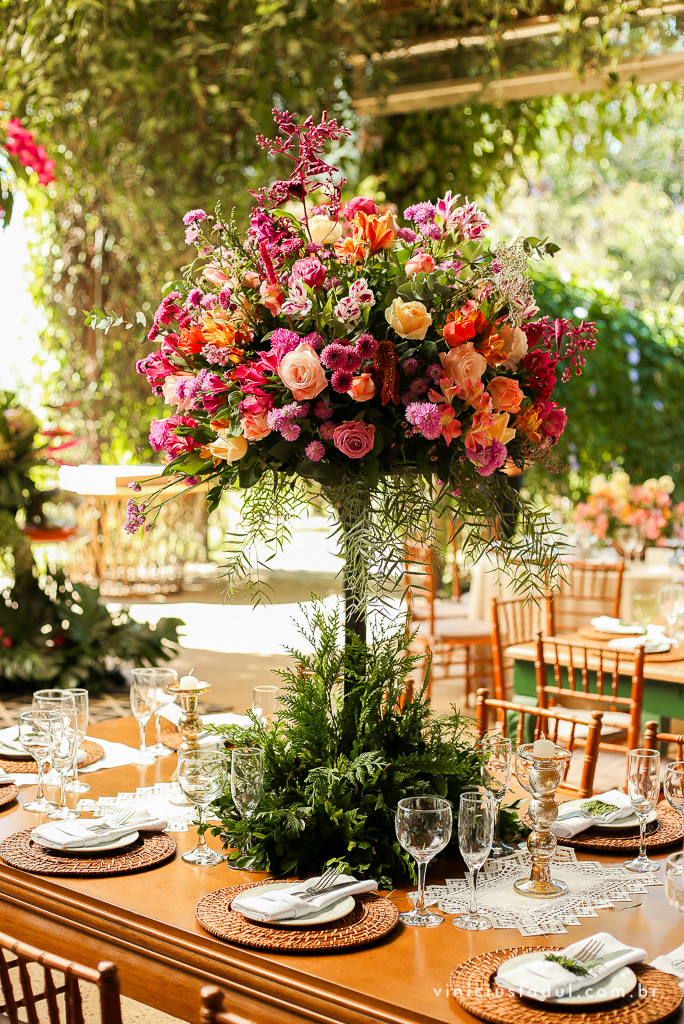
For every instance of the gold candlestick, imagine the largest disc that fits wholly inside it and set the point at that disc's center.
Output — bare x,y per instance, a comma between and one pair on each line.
190,724
541,776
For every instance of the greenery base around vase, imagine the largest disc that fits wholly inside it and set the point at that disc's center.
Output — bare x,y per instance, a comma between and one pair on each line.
336,762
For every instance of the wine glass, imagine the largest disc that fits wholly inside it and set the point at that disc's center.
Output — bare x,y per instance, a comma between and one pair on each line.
643,786
80,696
674,881
423,825
644,609
64,740
158,679
202,777
628,539
34,736
495,771
246,786
142,705
264,702
671,604
673,786
476,815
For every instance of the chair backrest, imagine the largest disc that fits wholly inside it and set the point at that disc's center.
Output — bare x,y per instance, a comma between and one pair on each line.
514,621
591,675
559,726
213,1011
652,738
420,583
23,990
589,589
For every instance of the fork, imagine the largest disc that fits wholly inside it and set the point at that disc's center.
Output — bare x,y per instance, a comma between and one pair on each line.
589,951
326,880
115,822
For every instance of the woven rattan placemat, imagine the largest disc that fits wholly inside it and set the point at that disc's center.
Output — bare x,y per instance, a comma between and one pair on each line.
171,738
148,851
8,794
589,633
472,986
668,830
372,918
27,766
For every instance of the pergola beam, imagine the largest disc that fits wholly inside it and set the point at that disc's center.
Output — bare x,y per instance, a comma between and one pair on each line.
459,91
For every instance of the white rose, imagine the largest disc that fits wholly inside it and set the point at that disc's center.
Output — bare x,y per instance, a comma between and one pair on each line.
323,230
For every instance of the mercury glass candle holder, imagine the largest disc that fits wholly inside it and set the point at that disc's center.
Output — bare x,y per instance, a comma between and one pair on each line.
190,724
541,776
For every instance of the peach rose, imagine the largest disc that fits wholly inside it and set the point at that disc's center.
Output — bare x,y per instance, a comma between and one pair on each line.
363,388
229,448
301,372
323,230
409,319
421,263
255,426
464,363
514,345
506,394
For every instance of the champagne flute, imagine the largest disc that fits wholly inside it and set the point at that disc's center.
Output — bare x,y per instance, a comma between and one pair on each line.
476,815
264,702
423,825
246,786
643,786
158,679
64,740
142,706
644,609
671,604
495,771
34,736
674,881
202,777
673,786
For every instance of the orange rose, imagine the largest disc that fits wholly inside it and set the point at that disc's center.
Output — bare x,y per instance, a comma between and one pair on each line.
464,363
461,326
409,319
379,232
363,388
255,426
421,263
506,394
302,373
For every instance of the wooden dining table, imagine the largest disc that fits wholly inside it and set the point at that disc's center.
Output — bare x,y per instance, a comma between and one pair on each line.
145,923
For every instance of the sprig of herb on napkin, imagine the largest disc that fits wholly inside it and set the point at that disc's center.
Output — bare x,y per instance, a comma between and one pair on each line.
597,808
570,964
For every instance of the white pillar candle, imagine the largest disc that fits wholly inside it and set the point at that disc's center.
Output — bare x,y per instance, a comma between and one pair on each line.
544,749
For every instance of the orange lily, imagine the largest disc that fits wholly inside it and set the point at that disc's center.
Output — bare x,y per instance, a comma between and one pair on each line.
378,232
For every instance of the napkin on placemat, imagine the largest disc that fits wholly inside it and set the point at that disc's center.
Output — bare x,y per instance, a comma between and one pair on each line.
9,741
607,624
545,979
570,827
5,779
652,643
80,834
671,963
266,906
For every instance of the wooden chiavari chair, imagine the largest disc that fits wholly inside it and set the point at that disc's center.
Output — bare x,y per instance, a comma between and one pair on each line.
213,1010
590,589
652,738
21,997
547,721
514,621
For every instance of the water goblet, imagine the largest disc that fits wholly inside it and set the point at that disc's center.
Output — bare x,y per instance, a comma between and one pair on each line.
64,740
264,702
643,786
202,777
142,706
673,786
671,604
34,736
80,696
495,771
476,814
644,609
423,825
246,786
158,679
674,881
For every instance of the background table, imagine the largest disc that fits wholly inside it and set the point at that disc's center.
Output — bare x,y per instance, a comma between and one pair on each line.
145,923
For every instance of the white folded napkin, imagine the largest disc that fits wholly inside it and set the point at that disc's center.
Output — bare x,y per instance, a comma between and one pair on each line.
652,643
607,624
9,741
273,906
570,827
5,779
545,979
667,962
80,834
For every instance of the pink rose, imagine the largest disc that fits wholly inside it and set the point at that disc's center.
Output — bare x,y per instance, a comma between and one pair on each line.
254,427
421,263
301,372
553,422
515,346
215,276
363,388
354,439
271,296
506,394
359,204
309,270
463,363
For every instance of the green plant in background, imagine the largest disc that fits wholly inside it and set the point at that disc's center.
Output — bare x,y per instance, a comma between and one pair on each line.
336,764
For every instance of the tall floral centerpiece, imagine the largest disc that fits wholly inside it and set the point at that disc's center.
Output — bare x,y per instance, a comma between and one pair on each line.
615,504
387,364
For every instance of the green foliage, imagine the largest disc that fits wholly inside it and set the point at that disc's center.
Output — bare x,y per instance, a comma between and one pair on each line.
335,763
53,631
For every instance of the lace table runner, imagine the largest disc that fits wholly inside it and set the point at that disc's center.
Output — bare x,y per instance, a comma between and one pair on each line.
591,887
155,798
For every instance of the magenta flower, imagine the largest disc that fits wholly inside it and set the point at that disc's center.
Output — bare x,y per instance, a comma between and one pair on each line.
359,204
315,451
488,459
194,217
341,381
327,430
354,438
309,270
425,417
323,409
366,346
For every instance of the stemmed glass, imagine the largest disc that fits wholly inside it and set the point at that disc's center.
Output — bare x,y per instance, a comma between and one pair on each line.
264,702
34,736
476,815
246,786
671,604
202,777
158,679
673,786
628,539
80,698
674,881
644,609
643,786
495,772
64,740
142,706
423,825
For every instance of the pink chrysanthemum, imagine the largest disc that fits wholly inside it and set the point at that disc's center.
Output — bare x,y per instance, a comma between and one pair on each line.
341,381
333,356
409,366
366,346
419,386
315,451
327,430
323,409
489,459
426,418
